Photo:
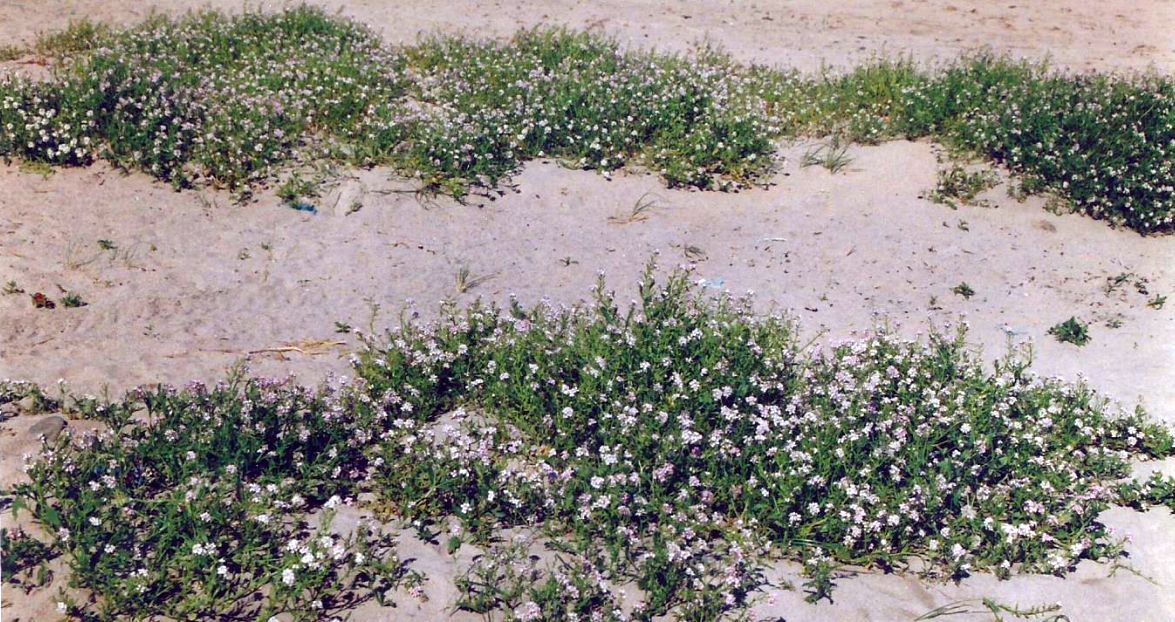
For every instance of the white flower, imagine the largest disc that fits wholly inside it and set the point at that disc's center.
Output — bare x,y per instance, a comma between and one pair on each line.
288,576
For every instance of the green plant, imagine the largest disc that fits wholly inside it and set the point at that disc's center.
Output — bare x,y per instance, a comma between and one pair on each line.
639,212
72,300
457,113
675,444
77,38
11,288
21,552
10,52
832,155
1040,613
107,245
1157,301
297,188
957,185
188,520
1071,331
964,290
465,280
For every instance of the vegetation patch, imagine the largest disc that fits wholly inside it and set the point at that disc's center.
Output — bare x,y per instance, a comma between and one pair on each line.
228,100
957,185
674,445
1072,331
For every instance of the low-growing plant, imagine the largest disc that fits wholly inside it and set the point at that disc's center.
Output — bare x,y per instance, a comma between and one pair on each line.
41,301
612,427
78,37
11,52
72,300
674,444
832,155
964,290
465,280
1157,301
210,98
296,189
639,211
1039,613
957,185
205,507
21,552
508,578
11,288
1072,331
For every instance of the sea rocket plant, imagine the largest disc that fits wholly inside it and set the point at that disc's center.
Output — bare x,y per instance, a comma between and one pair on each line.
675,445
234,100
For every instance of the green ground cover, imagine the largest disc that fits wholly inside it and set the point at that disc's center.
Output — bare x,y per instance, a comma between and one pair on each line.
679,445
231,100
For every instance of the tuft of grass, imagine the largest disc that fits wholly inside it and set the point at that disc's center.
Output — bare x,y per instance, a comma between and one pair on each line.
11,288
107,245
639,211
78,37
956,185
1157,301
832,155
221,100
11,52
1071,331
465,280
37,168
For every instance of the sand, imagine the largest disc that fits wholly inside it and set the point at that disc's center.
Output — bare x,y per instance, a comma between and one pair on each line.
197,283
807,34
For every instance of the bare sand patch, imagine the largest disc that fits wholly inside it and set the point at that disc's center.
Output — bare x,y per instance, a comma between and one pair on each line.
196,284
806,34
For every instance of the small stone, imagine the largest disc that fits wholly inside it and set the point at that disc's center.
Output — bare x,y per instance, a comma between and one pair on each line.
28,404
50,427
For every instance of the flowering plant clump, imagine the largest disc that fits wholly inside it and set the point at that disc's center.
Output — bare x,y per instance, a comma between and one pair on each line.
680,431
204,97
552,93
674,445
229,100
193,512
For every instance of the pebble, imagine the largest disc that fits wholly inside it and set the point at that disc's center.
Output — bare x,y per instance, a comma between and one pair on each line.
50,427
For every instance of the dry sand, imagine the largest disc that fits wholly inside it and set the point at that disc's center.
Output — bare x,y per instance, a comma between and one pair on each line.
198,283
1108,35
